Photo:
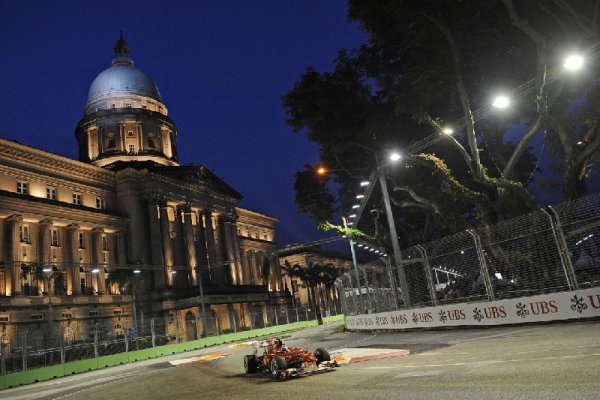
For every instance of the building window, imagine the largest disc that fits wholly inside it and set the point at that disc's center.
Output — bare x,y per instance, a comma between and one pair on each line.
37,317
77,198
22,187
112,105
104,243
54,238
144,107
98,109
94,313
129,133
81,241
24,234
131,148
100,203
67,315
51,193
128,105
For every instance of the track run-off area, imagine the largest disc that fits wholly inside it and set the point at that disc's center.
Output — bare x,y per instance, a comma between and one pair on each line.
554,361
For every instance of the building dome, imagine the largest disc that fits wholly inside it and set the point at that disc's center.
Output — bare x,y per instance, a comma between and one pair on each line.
122,78
124,119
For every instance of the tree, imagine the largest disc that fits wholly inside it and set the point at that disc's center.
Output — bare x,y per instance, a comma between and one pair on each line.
314,275
122,278
429,62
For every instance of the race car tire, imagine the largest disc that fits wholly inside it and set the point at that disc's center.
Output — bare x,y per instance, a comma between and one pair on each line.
322,355
277,363
250,364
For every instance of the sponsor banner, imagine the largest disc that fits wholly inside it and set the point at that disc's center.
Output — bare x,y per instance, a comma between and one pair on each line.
548,307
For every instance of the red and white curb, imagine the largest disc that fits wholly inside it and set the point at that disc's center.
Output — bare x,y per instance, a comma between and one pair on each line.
354,354
204,358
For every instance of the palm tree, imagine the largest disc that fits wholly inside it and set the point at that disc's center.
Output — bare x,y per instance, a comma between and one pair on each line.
313,275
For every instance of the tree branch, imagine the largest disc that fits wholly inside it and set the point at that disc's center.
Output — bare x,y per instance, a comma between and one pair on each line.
540,41
418,198
521,147
568,8
464,98
556,18
563,136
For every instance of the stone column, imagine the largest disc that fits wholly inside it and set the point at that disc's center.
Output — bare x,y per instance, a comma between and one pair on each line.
155,243
277,272
165,233
98,259
188,239
201,250
13,270
236,253
72,242
121,252
213,261
44,242
246,268
225,230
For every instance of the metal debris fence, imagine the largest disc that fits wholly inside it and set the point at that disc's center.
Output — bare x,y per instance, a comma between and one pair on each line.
27,349
550,250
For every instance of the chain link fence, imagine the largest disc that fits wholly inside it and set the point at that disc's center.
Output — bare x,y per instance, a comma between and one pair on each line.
550,250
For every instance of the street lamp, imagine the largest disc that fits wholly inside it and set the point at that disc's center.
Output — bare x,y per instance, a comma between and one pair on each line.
448,131
395,157
501,102
573,62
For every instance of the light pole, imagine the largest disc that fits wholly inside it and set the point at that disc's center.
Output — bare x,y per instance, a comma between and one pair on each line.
354,263
394,236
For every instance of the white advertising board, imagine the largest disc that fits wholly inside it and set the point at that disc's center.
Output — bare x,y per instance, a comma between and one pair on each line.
549,307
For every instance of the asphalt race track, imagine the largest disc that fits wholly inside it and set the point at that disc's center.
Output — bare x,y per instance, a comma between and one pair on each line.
556,361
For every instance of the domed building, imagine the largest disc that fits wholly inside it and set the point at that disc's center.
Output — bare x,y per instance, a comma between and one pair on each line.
125,118
126,238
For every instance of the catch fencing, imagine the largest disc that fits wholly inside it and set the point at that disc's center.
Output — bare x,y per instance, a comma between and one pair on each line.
34,348
554,249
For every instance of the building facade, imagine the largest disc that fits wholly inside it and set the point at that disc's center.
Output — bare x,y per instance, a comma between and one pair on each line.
81,238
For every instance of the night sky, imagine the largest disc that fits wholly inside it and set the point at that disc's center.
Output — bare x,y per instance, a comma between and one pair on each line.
220,67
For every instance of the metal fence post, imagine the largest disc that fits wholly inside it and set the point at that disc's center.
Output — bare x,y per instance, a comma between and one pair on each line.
176,326
297,316
24,345
96,340
562,247
2,362
287,317
275,314
62,346
152,332
393,287
306,310
126,340
428,275
487,279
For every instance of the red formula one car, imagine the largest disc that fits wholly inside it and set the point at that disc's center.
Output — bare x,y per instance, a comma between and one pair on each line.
283,362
